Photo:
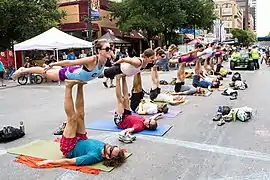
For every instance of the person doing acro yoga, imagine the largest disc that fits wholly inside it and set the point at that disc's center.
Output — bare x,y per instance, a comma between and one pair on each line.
157,95
123,117
84,69
130,66
200,81
186,89
74,144
189,56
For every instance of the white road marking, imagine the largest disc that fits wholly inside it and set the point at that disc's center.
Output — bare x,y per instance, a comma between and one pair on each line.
68,174
2,151
109,137
255,176
210,148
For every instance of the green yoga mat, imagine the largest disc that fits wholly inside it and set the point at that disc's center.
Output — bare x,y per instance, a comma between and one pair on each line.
49,150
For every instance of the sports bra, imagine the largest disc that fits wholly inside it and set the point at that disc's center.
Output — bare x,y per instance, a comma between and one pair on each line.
84,74
130,70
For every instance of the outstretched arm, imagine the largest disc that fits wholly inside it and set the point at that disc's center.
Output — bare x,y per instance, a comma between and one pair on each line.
83,61
188,53
155,117
58,162
133,61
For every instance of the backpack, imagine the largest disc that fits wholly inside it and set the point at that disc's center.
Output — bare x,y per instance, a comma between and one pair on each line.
10,134
236,77
243,114
240,85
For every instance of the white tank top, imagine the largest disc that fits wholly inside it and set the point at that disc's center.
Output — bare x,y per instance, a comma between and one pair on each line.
130,70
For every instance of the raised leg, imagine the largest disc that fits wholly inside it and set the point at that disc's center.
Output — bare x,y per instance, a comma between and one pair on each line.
181,73
126,101
71,126
51,74
137,83
119,96
198,67
155,79
80,109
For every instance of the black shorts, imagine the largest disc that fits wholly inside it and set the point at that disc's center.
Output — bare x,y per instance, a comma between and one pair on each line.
196,80
154,93
118,118
2,74
178,86
135,100
112,71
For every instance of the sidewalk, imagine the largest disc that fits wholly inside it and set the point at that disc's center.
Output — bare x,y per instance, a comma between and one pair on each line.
9,84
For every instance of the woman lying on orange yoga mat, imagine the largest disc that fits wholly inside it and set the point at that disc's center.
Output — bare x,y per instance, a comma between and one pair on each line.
76,147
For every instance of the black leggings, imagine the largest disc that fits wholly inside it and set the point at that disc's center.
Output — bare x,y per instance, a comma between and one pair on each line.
112,71
256,63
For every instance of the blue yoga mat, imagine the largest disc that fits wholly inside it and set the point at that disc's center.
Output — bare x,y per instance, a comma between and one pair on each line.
109,125
172,113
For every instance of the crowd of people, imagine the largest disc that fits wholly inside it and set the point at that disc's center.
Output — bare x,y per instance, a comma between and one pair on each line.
76,147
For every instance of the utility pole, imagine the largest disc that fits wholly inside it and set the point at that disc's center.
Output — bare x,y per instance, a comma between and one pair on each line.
246,15
89,22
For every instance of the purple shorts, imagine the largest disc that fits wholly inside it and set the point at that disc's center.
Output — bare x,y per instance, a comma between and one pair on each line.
63,70
187,59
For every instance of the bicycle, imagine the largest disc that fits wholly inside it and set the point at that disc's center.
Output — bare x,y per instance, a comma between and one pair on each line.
34,78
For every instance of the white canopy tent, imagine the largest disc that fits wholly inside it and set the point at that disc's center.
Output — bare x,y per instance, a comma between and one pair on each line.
53,39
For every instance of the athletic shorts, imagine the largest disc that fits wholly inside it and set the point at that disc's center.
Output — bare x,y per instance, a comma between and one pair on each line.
135,100
111,72
2,74
154,93
118,118
63,70
196,81
67,144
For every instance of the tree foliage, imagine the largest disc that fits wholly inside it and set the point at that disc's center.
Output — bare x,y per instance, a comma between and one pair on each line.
246,37
23,19
159,16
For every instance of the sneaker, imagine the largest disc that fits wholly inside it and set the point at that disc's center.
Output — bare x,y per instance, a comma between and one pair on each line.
124,139
132,137
112,86
105,84
60,129
227,118
221,123
218,117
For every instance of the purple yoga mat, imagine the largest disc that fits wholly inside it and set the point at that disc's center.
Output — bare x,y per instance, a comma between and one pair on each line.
172,113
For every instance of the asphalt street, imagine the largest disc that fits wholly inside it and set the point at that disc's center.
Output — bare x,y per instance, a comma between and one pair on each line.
194,149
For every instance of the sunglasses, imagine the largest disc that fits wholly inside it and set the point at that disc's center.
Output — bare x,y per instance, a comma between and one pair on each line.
111,148
107,49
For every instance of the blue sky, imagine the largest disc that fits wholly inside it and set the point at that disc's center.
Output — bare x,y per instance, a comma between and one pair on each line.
263,14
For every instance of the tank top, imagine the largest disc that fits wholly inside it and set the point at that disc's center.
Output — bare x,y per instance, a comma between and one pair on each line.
83,74
130,70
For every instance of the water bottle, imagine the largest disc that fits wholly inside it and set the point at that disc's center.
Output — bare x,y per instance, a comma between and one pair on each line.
22,127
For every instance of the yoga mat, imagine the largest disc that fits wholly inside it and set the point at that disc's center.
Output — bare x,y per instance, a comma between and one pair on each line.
172,113
109,125
50,150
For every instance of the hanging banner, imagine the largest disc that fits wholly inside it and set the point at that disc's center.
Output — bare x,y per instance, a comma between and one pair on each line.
95,9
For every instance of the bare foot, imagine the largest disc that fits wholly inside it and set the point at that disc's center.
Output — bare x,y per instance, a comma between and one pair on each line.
71,83
17,73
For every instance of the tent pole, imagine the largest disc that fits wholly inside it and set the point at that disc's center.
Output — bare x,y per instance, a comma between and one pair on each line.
15,59
59,82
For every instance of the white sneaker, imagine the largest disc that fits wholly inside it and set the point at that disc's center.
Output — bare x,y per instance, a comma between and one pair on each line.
132,137
124,139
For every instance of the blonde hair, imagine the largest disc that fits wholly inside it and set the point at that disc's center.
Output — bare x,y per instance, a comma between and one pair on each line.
172,47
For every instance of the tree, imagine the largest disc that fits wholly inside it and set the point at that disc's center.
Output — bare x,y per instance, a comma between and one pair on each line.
246,37
268,34
151,16
23,19
200,13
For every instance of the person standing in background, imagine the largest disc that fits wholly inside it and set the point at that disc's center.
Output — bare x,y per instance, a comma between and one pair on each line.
71,55
82,55
64,56
255,56
108,64
2,71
